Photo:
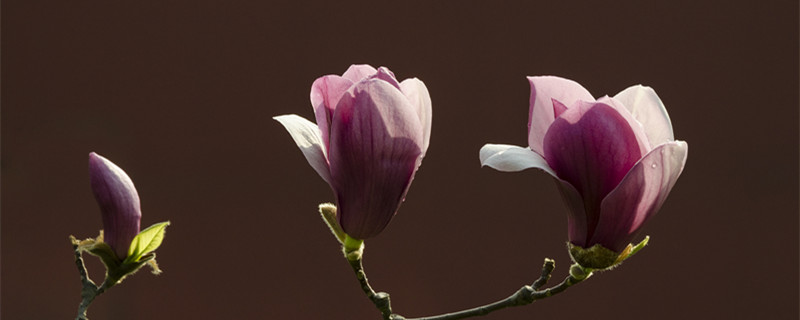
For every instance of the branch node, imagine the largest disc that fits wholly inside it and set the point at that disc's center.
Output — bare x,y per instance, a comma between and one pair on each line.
547,270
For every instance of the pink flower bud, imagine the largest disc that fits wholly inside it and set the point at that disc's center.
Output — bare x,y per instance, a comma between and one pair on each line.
118,201
615,158
371,135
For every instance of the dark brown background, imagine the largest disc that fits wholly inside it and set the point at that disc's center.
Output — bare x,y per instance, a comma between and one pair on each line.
181,93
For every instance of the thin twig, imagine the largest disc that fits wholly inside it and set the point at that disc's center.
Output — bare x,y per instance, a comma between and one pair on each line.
524,296
380,299
89,289
547,269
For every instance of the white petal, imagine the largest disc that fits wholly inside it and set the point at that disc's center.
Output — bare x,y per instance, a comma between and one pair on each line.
308,138
509,158
647,108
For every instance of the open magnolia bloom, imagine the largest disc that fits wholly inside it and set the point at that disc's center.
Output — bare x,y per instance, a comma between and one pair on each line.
615,158
371,135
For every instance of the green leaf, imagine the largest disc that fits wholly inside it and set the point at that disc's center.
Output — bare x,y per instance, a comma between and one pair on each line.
146,241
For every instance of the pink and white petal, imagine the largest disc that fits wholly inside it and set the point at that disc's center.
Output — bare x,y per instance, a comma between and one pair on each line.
417,94
325,94
358,72
307,137
640,195
510,158
636,126
387,75
376,144
647,108
576,213
543,90
375,98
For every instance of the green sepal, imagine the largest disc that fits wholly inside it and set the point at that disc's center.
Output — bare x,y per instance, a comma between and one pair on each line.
601,258
117,274
146,241
103,251
638,247
98,248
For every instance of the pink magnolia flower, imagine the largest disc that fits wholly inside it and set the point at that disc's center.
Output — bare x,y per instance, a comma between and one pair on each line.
371,135
119,203
615,158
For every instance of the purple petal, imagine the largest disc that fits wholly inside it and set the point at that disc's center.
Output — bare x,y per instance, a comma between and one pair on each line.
418,96
118,201
558,108
577,228
325,94
376,147
636,126
307,136
647,108
592,147
640,195
543,91
508,158
358,72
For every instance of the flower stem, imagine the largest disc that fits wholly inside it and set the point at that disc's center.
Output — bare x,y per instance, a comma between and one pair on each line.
89,290
524,296
380,299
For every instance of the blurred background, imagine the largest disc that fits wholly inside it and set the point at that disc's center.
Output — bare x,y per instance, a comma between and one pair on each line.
180,94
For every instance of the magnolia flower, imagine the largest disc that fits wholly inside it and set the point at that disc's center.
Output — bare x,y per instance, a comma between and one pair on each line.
119,203
615,158
371,135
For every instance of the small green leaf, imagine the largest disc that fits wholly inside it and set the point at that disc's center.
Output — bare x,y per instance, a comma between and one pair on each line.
146,241
639,246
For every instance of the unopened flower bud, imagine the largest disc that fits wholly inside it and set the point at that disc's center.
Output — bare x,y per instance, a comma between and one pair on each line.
118,201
